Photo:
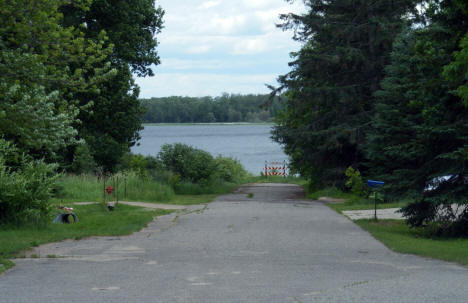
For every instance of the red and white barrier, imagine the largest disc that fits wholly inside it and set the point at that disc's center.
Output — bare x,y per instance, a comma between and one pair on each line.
275,168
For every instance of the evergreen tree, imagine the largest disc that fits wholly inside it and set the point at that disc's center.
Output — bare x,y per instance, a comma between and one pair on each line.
334,76
419,141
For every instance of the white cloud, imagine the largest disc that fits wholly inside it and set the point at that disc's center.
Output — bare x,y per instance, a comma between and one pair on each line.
204,84
212,46
198,49
250,46
256,3
209,4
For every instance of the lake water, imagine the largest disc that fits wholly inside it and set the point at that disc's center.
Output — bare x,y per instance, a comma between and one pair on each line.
250,144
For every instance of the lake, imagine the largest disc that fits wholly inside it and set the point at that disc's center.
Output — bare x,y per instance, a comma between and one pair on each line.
248,143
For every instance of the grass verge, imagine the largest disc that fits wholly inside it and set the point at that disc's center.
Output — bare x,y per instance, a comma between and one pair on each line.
399,237
340,207
94,220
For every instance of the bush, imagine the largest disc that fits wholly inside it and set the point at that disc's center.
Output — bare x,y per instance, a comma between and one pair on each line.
229,170
83,161
354,182
191,164
443,208
26,189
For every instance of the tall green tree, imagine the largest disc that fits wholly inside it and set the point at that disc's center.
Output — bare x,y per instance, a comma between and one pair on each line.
112,124
346,45
420,131
42,68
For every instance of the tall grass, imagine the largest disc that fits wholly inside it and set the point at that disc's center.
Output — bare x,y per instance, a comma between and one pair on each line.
91,188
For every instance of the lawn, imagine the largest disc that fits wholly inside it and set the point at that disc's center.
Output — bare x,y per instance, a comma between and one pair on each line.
94,220
399,237
395,234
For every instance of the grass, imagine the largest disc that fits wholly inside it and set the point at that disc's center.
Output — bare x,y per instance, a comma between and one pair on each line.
193,199
352,202
395,234
89,188
340,207
399,237
94,220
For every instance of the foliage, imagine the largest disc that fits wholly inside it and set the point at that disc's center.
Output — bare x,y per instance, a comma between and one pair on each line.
25,190
329,91
42,67
138,164
354,182
420,131
83,161
229,170
191,164
226,108
112,124
457,71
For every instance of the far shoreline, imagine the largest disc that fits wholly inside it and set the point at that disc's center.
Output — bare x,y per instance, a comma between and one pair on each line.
208,123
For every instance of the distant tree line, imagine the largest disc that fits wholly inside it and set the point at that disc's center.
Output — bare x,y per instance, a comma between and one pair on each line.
226,108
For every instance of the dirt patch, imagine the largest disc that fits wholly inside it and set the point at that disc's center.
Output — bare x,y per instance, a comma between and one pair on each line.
331,200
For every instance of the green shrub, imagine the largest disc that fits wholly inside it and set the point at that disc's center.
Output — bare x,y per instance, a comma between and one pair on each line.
191,164
24,190
138,165
83,161
354,182
229,170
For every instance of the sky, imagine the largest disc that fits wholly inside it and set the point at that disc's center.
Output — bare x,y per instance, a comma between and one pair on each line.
220,46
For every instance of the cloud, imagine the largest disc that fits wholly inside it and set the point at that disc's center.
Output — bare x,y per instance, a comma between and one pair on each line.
203,84
198,49
215,46
209,4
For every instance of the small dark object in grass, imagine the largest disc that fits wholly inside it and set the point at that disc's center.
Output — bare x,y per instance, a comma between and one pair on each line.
66,218
111,206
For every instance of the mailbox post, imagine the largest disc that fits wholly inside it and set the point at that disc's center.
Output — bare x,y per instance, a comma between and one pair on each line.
376,185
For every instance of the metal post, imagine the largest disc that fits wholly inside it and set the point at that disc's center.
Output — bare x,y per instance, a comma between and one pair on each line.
117,191
103,189
375,205
125,188
284,168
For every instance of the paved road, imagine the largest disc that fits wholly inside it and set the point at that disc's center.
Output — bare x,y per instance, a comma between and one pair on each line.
269,248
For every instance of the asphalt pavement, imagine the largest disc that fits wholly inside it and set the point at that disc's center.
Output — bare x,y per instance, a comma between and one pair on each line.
272,247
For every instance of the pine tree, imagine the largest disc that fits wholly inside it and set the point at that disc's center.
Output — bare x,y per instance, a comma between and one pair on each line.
419,141
334,76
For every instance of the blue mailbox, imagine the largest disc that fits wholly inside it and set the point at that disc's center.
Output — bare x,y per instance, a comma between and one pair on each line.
373,183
